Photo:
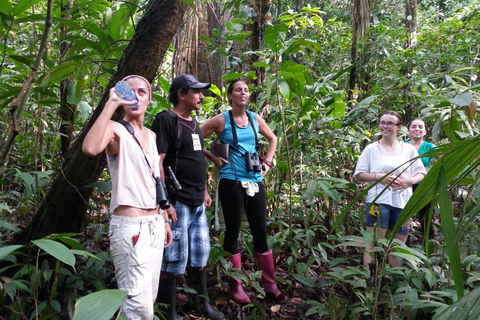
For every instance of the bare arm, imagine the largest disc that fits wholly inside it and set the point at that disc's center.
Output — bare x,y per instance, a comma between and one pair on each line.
104,134
265,131
215,124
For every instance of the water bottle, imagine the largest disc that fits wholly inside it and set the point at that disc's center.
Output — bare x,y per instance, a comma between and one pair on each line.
125,92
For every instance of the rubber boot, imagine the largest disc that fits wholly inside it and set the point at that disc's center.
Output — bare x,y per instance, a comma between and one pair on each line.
268,281
235,285
197,279
167,294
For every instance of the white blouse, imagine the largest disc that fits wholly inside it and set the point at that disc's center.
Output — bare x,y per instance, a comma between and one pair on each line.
377,159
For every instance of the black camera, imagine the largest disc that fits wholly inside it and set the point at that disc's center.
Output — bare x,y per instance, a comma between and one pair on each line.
162,198
253,161
172,181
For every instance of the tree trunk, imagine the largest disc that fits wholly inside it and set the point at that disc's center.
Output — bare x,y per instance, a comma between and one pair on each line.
64,207
262,8
191,56
360,22
67,110
410,45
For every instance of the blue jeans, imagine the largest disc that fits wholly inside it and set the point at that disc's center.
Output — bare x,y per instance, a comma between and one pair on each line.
387,215
191,240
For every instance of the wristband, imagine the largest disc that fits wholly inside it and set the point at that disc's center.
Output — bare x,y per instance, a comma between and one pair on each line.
168,221
268,163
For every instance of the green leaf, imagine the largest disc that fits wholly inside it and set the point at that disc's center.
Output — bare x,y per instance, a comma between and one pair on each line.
284,88
215,90
6,250
274,36
463,99
84,109
6,8
232,76
466,308
74,95
62,72
7,225
57,250
22,5
451,240
100,305
6,208
308,281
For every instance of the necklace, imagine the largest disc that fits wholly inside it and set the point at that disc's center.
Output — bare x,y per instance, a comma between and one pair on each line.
240,121
186,125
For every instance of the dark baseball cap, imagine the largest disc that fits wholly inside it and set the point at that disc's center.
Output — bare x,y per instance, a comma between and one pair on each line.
187,81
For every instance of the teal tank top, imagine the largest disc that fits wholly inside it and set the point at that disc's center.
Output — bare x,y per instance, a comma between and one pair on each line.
236,168
425,147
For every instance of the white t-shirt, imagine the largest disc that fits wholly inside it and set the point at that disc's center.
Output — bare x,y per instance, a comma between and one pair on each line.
376,159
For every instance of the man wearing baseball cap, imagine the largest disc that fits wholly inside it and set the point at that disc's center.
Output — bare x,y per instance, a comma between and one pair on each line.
180,146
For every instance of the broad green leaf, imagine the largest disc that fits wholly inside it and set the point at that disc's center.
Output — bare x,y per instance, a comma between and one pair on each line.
284,88
274,36
365,102
215,90
7,225
451,240
232,76
6,250
120,20
84,109
4,207
22,5
465,308
57,250
463,99
74,96
100,305
62,72
303,45
101,34
6,8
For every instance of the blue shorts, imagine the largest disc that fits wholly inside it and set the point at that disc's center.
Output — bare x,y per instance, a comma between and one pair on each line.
191,240
387,215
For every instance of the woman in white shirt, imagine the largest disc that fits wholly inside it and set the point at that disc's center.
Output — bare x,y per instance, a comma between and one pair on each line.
384,204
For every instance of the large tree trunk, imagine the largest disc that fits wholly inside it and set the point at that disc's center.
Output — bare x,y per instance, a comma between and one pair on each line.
67,110
191,55
410,45
64,207
360,22
262,9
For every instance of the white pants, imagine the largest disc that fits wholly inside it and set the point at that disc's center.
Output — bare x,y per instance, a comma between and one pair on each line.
137,265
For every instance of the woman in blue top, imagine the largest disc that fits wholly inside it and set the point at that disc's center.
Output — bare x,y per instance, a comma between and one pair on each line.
241,187
417,131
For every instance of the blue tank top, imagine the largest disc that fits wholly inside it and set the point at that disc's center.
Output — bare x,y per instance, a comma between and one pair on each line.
236,168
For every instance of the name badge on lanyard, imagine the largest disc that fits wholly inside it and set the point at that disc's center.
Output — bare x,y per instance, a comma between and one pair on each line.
196,142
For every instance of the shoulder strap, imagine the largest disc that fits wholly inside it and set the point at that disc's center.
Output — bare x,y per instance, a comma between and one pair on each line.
130,129
234,130
178,130
253,128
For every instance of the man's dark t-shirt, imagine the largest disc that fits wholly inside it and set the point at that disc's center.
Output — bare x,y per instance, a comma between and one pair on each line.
191,166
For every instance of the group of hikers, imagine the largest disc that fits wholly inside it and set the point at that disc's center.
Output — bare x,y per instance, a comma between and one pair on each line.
158,226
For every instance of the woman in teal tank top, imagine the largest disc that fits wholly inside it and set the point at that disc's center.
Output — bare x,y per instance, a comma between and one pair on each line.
241,185
417,131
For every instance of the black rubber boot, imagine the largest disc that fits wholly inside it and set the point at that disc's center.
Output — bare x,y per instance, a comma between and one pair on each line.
197,279
167,294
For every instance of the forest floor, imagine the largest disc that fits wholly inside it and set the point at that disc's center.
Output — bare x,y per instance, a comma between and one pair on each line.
299,294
